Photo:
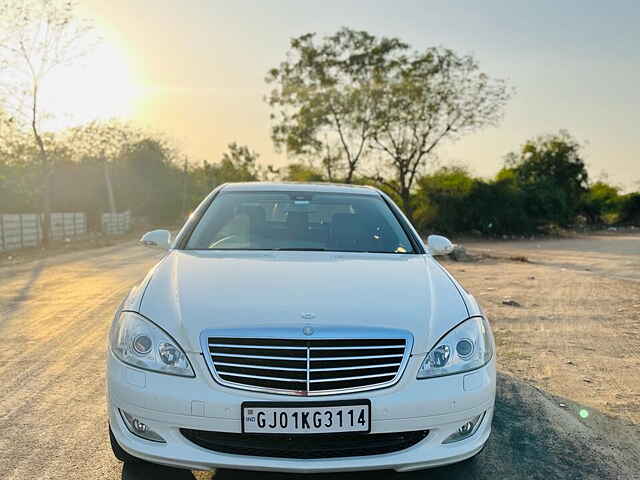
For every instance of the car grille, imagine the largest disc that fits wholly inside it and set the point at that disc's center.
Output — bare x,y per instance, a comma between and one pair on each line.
327,445
307,366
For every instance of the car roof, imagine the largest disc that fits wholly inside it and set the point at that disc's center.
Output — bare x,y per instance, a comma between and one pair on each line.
300,187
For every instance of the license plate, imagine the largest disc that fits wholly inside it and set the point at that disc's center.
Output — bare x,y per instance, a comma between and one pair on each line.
306,417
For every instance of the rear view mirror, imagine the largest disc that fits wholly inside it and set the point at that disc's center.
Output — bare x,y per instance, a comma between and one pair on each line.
439,245
157,239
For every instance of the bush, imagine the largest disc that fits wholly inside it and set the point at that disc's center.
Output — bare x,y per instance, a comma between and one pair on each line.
553,178
451,201
630,209
499,207
441,199
601,203
299,172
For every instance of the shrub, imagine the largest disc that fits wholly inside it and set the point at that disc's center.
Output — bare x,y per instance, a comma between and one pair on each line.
630,208
600,203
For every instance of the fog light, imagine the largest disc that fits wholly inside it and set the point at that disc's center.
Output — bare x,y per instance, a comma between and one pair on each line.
139,428
465,430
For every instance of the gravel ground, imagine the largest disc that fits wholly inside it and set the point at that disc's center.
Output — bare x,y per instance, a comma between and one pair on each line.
54,316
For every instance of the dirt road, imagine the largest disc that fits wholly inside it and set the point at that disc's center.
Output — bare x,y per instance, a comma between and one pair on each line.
54,316
615,256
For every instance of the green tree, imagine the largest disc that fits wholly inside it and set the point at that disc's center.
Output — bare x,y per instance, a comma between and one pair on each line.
630,208
600,202
326,95
238,164
497,207
123,167
441,199
106,141
552,174
148,182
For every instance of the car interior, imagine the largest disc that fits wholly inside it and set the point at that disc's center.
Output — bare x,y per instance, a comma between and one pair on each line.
282,223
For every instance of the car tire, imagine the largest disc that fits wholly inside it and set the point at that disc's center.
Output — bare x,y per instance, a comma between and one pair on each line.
119,452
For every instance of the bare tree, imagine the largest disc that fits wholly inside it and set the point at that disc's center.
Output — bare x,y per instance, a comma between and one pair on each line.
430,97
37,37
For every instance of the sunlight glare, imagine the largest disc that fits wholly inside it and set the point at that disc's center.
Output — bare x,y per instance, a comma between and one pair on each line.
97,87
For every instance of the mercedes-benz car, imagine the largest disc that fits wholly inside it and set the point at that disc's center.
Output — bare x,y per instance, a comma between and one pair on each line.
300,328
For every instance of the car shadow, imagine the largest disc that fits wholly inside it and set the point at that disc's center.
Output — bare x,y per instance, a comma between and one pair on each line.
158,472
535,436
147,471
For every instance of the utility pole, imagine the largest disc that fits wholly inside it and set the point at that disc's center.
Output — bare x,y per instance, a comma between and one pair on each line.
107,179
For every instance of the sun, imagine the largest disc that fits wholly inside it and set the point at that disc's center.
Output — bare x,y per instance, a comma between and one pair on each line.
99,86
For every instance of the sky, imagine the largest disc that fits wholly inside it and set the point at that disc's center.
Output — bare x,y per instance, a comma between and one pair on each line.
195,69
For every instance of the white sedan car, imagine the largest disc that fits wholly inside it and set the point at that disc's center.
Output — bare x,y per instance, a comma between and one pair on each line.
299,328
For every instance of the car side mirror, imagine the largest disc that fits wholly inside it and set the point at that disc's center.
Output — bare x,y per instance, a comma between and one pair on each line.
439,245
157,239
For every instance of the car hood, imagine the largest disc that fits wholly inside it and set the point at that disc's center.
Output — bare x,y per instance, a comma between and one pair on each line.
190,291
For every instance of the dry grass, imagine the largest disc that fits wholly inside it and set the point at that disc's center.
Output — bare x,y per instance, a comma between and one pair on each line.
576,333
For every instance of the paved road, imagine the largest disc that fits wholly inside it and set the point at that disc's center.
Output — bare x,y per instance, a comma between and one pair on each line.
54,316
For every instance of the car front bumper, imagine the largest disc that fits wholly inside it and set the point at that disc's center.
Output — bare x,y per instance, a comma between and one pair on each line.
167,404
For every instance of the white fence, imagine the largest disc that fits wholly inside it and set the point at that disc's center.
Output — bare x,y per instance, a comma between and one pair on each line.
23,230
66,225
19,231
116,223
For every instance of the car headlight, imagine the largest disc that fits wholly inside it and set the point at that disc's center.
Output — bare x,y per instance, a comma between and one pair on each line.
139,342
467,347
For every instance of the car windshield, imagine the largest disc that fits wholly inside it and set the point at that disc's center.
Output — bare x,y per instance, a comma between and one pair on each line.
299,221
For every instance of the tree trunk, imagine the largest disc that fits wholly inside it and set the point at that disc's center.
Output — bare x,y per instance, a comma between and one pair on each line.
46,168
107,179
46,206
350,172
46,186
405,196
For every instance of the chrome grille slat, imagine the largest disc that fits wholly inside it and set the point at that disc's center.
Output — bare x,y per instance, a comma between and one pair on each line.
260,377
261,367
264,357
364,367
359,348
334,362
340,379
261,347
365,357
